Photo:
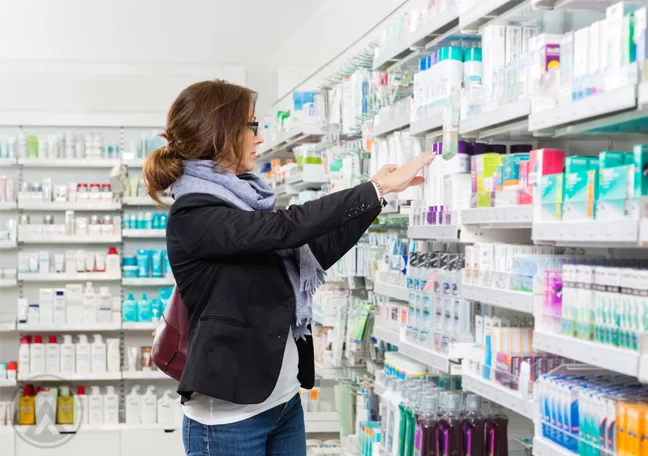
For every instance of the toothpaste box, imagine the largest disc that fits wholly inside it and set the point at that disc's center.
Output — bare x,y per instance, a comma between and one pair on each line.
581,192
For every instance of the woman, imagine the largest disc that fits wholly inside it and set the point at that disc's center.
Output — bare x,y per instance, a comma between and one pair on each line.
247,273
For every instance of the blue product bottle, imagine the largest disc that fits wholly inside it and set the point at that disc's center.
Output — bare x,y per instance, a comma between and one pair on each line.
141,221
156,221
165,297
156,309
144,309
156,264
143,263
129,309
164,219
166,265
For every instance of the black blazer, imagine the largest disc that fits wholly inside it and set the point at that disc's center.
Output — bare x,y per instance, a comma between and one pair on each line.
236,289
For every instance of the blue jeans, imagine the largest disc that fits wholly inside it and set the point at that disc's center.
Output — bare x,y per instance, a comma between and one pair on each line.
279,431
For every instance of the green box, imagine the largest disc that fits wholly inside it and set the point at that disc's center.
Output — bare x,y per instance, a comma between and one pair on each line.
616,188
551,196
511,165
612,158
579,163
640,162
580,194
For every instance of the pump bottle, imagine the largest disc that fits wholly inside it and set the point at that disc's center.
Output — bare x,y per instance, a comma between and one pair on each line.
98,354
83,355
68,355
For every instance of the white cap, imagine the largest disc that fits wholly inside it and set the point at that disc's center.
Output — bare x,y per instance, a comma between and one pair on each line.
83,339
135,389
150,389
95,390
110,389
97,338
67,339
104,291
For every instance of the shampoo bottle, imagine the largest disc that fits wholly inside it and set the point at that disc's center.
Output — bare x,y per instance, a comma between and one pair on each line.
166,409
129,309
68,355
95,406
27,406
64,406
23,356
89,304
144,309
45,403
134,406
98,354
104,312
37,356
81,409
113,355
111,406
83,355
113,262
149,406
59,307
156,309
52,356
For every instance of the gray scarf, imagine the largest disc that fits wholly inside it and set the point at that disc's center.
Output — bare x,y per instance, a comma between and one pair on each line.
249,193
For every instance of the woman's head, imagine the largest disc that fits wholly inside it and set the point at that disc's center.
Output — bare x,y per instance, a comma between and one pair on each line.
210,120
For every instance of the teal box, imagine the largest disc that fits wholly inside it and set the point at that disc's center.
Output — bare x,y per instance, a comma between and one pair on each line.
612,158
511,168
640,162
551,197
616,188
580,194
579,163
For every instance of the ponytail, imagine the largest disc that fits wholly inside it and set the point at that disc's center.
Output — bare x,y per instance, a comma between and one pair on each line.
160,171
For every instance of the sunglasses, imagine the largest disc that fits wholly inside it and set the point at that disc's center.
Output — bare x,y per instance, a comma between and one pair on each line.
254,126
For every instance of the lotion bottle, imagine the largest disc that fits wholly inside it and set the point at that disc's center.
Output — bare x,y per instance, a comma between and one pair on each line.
81,408
64,406
59,307
37,356
83,355
52,356
113,355
166,409
113,262
89,304
95,406
104,312
23,356
149,406
98,354
111,406
68,355
134,406
144,309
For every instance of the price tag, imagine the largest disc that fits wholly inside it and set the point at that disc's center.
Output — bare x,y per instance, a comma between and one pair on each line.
430,282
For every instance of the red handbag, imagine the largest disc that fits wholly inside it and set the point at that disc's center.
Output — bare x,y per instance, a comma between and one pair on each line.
171,341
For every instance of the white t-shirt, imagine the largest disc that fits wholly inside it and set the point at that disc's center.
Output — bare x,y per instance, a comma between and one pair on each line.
210,411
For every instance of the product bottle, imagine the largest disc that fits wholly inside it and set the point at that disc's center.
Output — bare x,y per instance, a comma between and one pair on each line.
473,428
27,406
52,356
116,312
95,406
37,356
113,355
113,262
408,415
149,406
64,406
144,309
134,406
393,445
104,312
448,429
111,406
59,307
129,309
425,443
497,432
83,355
68,355
98,354
23,355
384,411
81,407
156,309
166,409
45,403
89,304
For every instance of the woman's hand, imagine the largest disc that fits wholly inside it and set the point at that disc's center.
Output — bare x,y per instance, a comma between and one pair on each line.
393,179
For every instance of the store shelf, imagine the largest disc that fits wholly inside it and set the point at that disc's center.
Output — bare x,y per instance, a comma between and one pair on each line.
428,124
95,205
8,283
499,217
69,327
149,282
65,277
49,238
146,375
72,377
600,355
388,126
145,201
7,245
304,179
392,291
324,320
390,336
482,12
7,162
391,53
602,104
139,326
287,139
134,162
144,234
7,327
322,422
545,447
497,121
597,233
6,383
439,24
67,162
440,361
497,393
8,206
507,299
437,232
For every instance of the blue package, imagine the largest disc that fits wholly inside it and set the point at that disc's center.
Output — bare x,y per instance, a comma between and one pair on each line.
167,266
143,263
156,263
156,221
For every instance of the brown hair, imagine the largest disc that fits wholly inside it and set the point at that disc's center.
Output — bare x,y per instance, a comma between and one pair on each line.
207,121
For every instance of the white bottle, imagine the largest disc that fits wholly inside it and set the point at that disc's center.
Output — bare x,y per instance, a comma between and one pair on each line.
98,354
89,304
166,409
68,355
116,309
23,356
95,406
104,312
37,356
111,406
59,307
149,406
83,355
81,407
74,303
113,262
52,356
46,306
113,355
134,406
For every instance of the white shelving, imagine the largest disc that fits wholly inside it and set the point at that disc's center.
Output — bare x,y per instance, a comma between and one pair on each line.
139,326
440,232
144,234
391,53
66,277
97,206
7,326
69,327
545,447
134,162
322,422
149,282
507,299
439,24
482,12
500,119
500,217
72,377
324,320
49,238
145,375
386,335
428,124
496,393
6,383
7,162
286,139
8,283
304,179
6,245
388,126
392,291
8,205
67,163
145,201
596,232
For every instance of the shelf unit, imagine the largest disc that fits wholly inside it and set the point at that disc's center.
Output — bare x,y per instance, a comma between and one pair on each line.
69,376
148,282
8,383
49,238
392,291
498,394
545,447
439,232
68,327
65,277
8,283
95,206
143,234
288,139
145,201
139,326
388,126
68,162
145,375
506,299
7,245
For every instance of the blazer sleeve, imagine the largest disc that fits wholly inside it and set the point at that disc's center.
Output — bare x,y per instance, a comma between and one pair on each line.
216,230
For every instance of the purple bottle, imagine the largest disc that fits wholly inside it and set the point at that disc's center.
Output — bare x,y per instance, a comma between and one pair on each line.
473,428
425,443
497,432
448,429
